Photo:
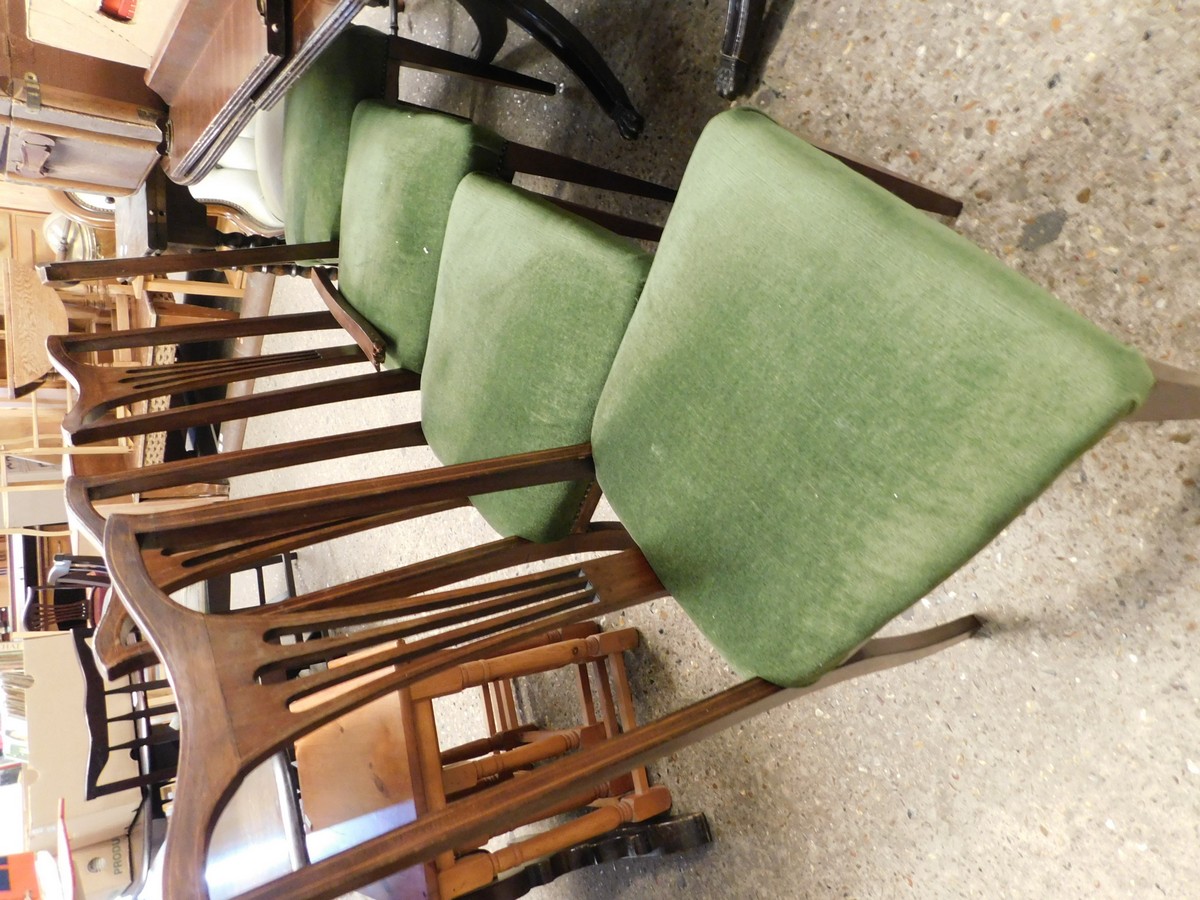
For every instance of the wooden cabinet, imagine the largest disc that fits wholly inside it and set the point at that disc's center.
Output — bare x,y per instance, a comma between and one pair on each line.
70,121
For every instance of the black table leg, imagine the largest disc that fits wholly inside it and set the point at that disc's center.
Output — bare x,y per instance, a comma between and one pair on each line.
743,28
551,29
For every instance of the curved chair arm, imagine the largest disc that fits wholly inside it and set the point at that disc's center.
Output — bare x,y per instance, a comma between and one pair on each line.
366,335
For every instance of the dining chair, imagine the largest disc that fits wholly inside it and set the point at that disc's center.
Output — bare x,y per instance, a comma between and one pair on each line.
805,429
51,608
137,709
390,767
385,300
593,295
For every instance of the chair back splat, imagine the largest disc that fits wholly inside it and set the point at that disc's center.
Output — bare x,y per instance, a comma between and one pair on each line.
220,661
103,389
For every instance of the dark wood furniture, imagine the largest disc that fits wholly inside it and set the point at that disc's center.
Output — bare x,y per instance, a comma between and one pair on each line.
442,627
148,700
222,60
550,28
740,45
70,121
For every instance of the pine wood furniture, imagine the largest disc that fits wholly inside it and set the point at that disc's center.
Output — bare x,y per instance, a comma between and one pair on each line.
391,770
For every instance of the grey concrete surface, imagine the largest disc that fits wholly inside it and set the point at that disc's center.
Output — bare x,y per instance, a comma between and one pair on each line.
1059,754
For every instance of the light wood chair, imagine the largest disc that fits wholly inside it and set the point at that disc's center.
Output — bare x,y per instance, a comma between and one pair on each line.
390,769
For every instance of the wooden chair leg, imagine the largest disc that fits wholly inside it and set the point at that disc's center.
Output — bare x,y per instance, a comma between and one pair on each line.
531,160
491,25
415,55
1175,395
743,26
641,231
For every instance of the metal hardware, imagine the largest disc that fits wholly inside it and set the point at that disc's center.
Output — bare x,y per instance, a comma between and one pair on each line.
33,93
35,152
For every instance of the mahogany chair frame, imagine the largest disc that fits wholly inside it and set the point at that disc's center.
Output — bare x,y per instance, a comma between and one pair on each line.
241,711
442,627
518,158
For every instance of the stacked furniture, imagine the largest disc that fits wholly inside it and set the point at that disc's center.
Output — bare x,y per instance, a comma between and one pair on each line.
820,403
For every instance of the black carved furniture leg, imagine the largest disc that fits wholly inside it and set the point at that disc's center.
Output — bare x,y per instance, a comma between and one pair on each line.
491,25
549,27
414,55
656,837
743,28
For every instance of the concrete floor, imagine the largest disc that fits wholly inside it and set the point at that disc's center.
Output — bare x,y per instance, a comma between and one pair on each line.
1059,755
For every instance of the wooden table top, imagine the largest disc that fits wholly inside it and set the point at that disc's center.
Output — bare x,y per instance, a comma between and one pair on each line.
223,60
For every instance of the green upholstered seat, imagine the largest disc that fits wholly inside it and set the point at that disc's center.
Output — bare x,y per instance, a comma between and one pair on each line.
826,402
532,302
402,170
316,131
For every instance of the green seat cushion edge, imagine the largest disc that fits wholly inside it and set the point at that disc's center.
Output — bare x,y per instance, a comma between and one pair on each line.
316,132
403,168
532,302
826,402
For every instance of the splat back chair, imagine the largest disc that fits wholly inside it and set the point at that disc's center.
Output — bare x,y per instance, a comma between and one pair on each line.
140,707
512,374
72,598
541,394
804,430
51,608
317,123
387,766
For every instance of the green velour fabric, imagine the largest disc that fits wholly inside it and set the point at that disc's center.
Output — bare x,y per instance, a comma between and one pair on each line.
531,305
402,170
826,402
316,130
